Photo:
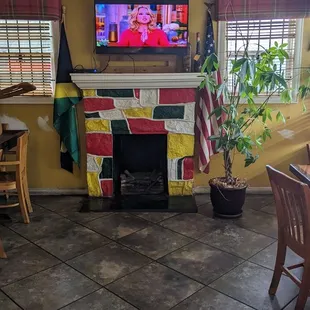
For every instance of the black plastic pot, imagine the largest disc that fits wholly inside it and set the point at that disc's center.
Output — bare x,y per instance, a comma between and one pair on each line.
227,202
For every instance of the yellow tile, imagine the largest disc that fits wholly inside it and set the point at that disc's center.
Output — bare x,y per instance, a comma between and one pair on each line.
180,188
99,161
180,145
97,125
94,189
64,90
89,93
139,112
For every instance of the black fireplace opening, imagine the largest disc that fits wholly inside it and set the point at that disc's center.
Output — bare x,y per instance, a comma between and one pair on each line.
140,167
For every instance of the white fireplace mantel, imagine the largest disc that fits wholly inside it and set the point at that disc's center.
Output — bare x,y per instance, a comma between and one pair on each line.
136,80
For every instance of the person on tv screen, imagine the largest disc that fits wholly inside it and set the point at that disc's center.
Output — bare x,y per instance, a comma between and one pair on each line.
142,30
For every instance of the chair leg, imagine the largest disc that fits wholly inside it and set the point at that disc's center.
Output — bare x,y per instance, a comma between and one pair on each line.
27,196
280,260
22,201
2,253
304,288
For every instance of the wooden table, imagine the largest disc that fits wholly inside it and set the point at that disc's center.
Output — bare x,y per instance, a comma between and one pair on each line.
8,140
302,172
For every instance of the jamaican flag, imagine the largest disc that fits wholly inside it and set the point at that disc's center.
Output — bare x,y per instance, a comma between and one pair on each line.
67,95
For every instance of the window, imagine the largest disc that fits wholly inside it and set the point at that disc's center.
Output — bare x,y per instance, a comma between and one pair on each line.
262,34
26,55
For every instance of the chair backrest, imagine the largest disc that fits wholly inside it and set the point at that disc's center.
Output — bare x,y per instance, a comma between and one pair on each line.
308,151
21,152
293,210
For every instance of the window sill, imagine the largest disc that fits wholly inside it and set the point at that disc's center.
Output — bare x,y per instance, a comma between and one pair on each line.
272,100
28,100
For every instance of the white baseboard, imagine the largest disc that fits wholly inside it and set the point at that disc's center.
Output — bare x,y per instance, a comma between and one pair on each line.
83,191
251,190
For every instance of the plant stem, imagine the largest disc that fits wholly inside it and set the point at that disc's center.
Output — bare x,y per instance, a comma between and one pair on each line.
228,168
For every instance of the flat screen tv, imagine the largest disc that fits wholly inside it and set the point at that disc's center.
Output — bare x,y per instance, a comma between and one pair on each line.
141,26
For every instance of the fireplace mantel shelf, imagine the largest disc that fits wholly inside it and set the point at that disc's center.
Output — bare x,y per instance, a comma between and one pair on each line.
135,80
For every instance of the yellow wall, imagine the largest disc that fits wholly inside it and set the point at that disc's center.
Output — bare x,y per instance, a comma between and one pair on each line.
43,162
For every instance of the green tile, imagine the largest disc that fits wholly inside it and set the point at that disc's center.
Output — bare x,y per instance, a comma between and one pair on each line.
119,127
92,115
169,112
116,93
106,172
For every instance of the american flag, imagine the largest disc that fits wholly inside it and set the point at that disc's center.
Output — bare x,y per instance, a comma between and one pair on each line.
206,126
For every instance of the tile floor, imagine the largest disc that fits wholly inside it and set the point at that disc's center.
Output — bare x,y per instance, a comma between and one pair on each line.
102,261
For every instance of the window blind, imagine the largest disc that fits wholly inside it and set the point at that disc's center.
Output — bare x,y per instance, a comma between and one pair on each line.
260,35
26,55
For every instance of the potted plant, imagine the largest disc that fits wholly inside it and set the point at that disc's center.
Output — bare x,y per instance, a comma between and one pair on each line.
255,77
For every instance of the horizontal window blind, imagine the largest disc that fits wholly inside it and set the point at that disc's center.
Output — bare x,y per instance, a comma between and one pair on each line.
26,55
260,35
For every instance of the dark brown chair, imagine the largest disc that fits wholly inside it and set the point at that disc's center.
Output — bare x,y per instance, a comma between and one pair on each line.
293,213
308,151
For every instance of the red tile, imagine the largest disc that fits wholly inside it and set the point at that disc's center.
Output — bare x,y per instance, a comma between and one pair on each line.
177,95
98,104
99,144
188,168
146,126
107,188
137,93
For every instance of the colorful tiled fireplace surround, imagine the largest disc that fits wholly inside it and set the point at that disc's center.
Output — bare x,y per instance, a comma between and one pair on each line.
139,111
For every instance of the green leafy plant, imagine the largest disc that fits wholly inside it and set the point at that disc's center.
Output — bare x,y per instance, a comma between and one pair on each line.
254,76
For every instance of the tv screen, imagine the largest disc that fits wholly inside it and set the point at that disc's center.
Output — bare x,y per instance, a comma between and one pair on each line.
133,27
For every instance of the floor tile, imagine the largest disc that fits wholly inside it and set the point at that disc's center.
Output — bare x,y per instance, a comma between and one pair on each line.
209,299
270,209
267,257
10,239
155,241
232,239
259,222
50,202
201,262
154,287
117,225
257,202
6,303
291,305
155,217
42,226
100,300
249,283
16,216
202,199
24,261
72,242
206,209
70,208
192,225
108,263
50,289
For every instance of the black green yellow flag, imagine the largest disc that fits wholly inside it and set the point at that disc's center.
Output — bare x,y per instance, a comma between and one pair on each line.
67,95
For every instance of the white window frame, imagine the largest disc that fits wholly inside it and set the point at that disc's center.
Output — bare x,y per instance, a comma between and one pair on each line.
297,59
55,28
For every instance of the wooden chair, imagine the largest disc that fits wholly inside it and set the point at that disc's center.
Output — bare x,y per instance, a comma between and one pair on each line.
17,180
308,151
293,213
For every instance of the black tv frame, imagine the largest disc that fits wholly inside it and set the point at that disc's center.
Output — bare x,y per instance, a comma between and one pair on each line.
182,51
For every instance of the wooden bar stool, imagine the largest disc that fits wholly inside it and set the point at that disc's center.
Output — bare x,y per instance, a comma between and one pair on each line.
17,180
292,199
